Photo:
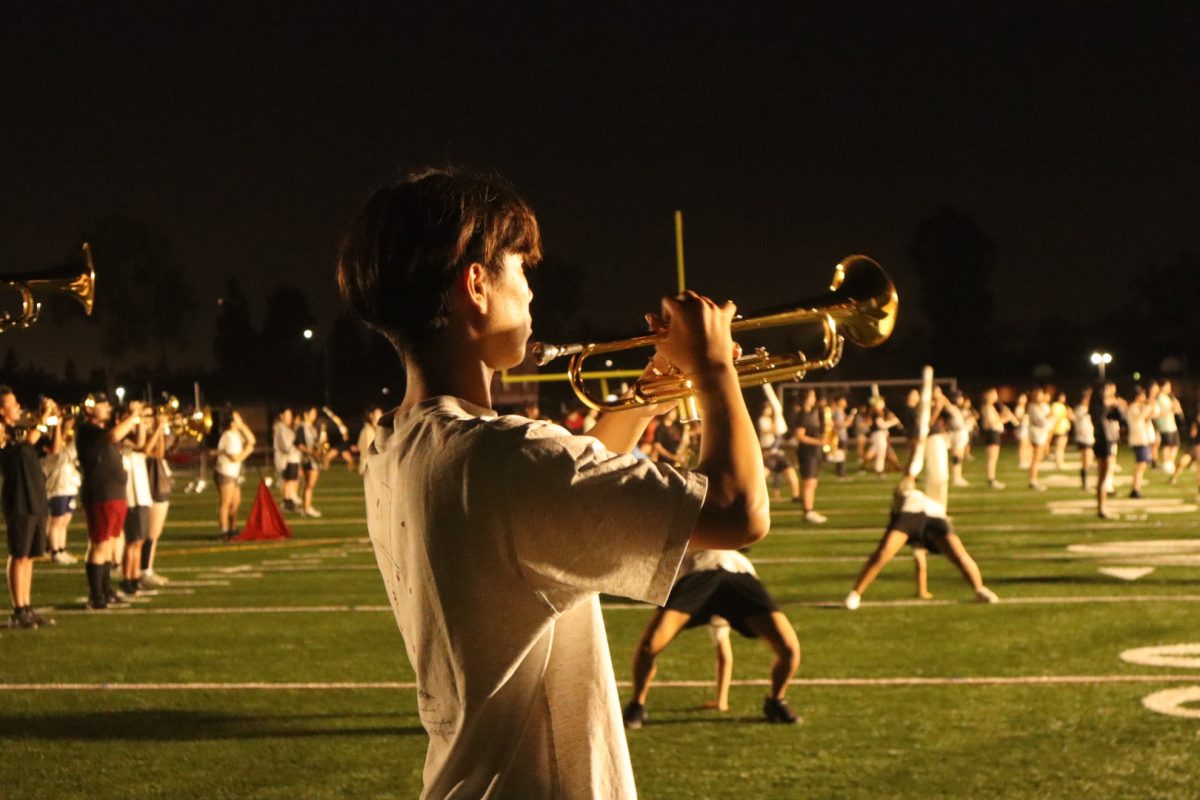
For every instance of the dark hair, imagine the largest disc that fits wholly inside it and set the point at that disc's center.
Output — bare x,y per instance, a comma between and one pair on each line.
402,253
5,390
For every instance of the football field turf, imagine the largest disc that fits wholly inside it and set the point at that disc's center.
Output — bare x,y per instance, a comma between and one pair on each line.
274,670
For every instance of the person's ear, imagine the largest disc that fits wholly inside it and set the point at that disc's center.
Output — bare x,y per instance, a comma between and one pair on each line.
473,283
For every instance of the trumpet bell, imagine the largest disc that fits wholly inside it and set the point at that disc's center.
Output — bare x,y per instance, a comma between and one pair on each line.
76,278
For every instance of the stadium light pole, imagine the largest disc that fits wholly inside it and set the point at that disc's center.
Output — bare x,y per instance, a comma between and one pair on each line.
1101,360
308,334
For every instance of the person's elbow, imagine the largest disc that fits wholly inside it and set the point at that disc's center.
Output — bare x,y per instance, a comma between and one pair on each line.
758,518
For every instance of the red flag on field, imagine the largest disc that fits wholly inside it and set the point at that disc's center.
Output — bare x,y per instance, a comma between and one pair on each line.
265,520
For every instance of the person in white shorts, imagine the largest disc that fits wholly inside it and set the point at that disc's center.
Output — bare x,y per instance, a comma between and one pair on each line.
1039,435
235,446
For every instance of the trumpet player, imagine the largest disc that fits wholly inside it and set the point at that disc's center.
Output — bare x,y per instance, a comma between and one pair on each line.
103,490
60,463
496,533
24,504
159,474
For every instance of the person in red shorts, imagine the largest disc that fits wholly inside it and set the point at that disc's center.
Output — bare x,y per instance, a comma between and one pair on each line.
103,490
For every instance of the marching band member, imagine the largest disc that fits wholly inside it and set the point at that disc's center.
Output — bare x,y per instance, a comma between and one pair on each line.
287,458
367,435
1085,436
772,428
308,442
807,428
62,486
994,415
1169,411
1105,410
103,491
159,473
496,533
138,501
235,446
25,505
1139,417
1038,415
719,588
919,518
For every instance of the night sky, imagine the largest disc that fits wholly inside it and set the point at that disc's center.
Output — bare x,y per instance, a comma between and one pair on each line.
789,134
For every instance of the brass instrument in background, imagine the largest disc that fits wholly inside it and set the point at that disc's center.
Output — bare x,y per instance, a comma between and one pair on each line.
829,438
76,278
196,425
861,306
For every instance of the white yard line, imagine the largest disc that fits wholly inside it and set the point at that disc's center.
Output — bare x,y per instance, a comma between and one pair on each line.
1014,680
371,608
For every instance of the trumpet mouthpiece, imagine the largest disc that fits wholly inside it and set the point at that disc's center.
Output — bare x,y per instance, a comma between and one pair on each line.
544,353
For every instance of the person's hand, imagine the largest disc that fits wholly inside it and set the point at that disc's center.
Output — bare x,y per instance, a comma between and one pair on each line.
694,333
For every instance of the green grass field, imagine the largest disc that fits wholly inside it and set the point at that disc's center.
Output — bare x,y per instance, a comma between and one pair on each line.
275,670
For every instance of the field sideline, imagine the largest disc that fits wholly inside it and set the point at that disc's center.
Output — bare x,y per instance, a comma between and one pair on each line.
275,670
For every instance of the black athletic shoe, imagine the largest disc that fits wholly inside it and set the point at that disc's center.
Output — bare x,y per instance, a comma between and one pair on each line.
42,622
1134,494
97,604
21,619
777,710
635,715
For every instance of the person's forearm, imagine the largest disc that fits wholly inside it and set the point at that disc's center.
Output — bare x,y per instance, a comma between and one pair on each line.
122,429
620,432
735,511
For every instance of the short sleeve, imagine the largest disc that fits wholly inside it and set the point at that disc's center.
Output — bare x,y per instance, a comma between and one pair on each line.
584,518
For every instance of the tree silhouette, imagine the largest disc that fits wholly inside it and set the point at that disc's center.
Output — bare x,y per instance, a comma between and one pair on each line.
954,258
143,301
290,364
236,342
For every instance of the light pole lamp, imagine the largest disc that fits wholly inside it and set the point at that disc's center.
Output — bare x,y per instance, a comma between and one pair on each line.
1101,360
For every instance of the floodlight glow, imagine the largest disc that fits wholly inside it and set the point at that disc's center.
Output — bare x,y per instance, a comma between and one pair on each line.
120,394
308,333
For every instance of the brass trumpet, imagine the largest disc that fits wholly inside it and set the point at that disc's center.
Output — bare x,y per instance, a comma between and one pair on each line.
861,306
76,278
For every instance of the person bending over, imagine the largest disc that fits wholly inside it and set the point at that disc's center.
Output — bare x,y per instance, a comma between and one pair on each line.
718,585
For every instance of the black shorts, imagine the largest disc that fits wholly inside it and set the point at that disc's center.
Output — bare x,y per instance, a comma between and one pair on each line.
1168,439
923,531
989,438
291,472
734,596
26,535
776,461
1102,448
137,524
810,461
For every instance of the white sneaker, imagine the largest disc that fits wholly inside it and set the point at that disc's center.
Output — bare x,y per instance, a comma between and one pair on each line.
994,484
986,595
63,557
153,580
312,512
815,517
852,601
961,482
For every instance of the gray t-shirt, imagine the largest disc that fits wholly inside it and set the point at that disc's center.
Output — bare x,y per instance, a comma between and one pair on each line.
494,536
